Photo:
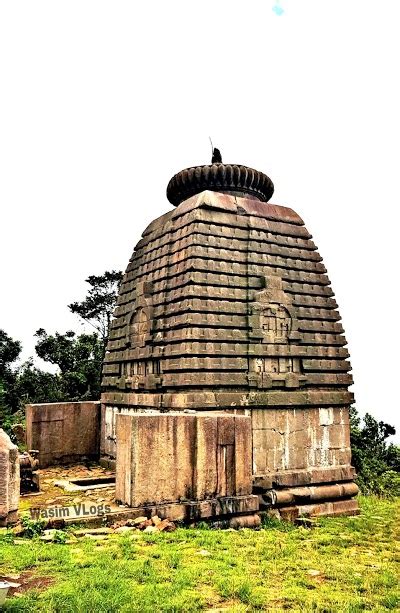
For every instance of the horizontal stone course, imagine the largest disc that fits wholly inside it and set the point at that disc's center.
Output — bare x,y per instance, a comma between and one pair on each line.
250,237
205,245
221,321
205,400
239,226
216,378
208,351
201,258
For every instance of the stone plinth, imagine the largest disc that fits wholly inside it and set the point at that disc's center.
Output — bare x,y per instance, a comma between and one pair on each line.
177,457
64,432
9,480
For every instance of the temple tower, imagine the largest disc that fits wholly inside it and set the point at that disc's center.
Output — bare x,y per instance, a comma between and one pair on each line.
226,306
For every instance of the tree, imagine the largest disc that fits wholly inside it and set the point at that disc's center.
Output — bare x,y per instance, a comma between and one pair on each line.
98,306
377,463
9,396
9,353
79,359
38,386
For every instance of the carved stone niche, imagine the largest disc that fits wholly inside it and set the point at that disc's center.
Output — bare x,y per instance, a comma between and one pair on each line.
142,373
140,322
139,327
272,321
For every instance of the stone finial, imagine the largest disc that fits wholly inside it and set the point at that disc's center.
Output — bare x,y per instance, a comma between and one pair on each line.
216,156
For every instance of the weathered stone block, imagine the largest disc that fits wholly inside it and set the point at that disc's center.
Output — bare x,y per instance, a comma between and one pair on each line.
299,439
63,432
9,480
175,457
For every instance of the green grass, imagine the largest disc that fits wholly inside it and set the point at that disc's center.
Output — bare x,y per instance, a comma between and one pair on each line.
245,570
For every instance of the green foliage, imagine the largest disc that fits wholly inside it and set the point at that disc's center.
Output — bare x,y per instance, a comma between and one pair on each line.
203,525
389,483
98,306
60,537
376,461
9,393
79,359
9,353
7,537
33,527
37,386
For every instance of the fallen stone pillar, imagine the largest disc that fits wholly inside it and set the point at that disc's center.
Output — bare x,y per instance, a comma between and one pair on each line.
9,480
304,495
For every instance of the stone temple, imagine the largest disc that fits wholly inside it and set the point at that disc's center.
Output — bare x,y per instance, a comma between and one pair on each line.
226,317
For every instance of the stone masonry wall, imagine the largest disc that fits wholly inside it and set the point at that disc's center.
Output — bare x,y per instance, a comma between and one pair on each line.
64,432
300,439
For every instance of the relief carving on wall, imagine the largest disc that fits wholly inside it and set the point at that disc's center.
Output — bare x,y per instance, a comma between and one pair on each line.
272,321
276,323
140,321
140,373
139,327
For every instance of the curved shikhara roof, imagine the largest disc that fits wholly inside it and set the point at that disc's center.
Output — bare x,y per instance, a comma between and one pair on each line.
226,303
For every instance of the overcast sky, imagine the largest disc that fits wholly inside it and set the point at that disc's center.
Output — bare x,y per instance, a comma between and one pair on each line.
102,102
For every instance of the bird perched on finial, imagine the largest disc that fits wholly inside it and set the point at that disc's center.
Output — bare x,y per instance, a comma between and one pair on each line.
216,156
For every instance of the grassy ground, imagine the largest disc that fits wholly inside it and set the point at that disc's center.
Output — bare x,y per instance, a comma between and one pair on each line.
344,564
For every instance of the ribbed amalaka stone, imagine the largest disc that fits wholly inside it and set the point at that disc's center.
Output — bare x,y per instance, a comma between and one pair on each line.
9,480
226,305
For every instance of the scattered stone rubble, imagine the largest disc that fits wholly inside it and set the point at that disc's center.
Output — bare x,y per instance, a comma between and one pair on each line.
153,524
140,524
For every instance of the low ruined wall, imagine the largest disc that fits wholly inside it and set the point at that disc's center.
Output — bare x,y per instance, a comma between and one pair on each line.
63,432
9,480
175,457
